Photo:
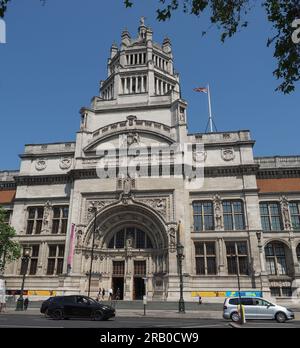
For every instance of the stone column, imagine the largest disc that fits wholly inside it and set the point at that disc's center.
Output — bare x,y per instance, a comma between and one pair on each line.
221,255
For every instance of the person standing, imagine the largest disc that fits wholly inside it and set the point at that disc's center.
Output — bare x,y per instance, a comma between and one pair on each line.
103,293
26,303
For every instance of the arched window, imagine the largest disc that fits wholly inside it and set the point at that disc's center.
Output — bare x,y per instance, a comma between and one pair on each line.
276,259
130,236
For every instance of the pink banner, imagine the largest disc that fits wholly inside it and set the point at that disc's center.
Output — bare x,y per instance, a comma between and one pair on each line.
71,249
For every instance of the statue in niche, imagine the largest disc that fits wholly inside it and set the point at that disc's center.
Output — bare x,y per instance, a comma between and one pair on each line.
285,213
218,211
127,186
47,216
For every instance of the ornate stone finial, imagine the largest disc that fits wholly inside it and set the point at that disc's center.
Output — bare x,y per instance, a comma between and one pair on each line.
142,21
285,213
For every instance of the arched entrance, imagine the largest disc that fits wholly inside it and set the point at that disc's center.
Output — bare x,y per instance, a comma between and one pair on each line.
131,251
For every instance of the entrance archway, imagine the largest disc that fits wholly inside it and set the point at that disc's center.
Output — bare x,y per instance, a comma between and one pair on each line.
132,243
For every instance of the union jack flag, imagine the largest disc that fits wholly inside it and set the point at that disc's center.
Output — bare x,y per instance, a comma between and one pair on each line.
201,89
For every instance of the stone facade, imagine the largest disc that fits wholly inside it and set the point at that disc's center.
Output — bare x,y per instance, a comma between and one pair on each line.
138,221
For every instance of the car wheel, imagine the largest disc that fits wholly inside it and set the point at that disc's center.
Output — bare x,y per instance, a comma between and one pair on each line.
280,317
98,315
57,314
235,317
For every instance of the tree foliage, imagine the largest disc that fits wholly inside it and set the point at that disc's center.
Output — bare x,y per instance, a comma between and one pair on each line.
9,249
230,16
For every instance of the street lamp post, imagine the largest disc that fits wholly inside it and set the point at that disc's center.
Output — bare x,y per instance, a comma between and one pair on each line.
239,287
25,262
180,257
93,210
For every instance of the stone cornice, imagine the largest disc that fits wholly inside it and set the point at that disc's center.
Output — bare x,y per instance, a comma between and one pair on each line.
43,179
7,185
47,154
278,173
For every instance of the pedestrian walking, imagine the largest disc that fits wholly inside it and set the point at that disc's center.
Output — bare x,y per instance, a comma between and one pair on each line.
26,303
200,300
103,293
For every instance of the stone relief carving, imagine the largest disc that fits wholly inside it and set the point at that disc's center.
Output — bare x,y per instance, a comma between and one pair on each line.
99,205
40,164
65,163
228,154
285,213
218,212
130,139
158,204
199,156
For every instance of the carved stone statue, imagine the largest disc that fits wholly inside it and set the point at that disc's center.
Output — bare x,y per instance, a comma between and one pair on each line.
285,213
47,216
218,212
127,186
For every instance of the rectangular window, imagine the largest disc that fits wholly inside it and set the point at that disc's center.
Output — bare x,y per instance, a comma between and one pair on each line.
60,220
233,214
35,220
237,258
118,268
30,265
295,215
205,253
139,268
55,259
270,214
203,216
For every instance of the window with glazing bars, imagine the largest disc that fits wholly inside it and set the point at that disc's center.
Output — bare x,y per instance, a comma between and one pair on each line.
31,266
55,259
295,214
271,218
205,253
35,220
60,220
276,259
237,258
118,267
233,214
203,216
140,268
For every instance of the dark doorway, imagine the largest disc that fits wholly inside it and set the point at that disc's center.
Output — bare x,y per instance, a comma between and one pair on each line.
138,288
118,287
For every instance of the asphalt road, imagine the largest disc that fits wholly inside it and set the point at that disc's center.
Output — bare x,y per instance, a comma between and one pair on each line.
38,321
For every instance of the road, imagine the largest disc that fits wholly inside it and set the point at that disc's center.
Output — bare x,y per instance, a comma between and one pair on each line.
38,321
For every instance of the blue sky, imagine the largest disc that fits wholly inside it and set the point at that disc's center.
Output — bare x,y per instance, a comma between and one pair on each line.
56,55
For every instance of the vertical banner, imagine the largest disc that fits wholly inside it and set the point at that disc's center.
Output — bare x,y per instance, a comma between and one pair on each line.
71,248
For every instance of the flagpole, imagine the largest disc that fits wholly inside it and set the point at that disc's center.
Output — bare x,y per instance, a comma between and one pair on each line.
209,108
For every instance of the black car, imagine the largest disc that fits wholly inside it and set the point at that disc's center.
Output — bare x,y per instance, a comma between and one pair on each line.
76,306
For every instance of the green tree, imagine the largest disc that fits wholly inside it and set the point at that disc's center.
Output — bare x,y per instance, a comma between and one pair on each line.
10,250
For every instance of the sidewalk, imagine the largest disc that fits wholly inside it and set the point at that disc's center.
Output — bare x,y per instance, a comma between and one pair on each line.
139,313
